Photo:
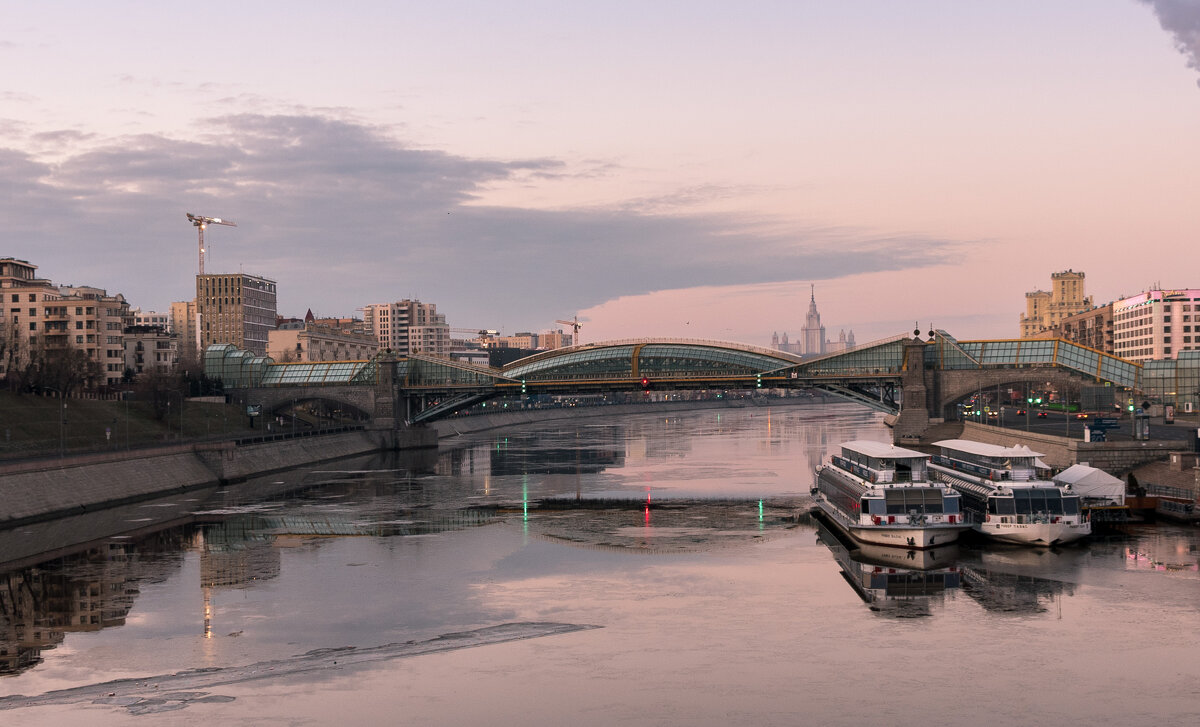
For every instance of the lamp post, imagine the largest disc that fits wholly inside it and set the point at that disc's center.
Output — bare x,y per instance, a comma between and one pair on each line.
62,421
180,395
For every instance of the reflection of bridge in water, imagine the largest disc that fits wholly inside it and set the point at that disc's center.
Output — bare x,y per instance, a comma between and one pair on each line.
918,380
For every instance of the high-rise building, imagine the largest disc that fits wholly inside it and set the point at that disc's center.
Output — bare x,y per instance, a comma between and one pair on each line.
1044,310
1157,324
408,326
235,308
813,332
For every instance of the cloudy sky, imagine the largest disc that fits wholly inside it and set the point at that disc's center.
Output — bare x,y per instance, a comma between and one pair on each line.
658,168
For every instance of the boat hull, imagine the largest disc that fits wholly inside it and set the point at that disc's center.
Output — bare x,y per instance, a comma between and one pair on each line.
1040,534
909,537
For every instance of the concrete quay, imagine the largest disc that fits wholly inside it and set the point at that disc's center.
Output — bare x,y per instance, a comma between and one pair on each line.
32,491
1117,457
52,488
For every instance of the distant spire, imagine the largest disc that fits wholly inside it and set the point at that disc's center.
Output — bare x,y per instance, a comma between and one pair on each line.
813,294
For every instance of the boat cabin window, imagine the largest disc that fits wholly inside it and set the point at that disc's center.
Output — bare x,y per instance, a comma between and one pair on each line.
1070,505
903,500
1040,499
874,506
1002,506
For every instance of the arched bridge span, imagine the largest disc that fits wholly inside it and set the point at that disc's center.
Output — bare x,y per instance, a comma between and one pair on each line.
915,378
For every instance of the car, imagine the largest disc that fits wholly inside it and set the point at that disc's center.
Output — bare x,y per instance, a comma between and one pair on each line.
1042,415
1081,415
1022,412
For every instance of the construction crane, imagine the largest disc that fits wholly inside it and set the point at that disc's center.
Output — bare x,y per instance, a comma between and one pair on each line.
200,222
575,326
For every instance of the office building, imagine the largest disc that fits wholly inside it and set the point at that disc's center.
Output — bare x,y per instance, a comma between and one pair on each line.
1157,324
235,308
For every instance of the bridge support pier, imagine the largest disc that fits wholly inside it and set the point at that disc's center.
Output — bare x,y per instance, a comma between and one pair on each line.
913,420
388,429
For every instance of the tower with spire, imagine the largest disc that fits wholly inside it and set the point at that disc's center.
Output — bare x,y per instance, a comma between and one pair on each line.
813,332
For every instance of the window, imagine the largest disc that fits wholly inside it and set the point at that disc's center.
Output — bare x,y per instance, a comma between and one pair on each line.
32,298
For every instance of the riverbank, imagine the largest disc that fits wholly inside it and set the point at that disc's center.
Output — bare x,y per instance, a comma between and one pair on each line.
50,488
38,490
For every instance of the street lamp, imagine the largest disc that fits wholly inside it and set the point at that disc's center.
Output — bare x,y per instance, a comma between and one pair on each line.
62,421
180,395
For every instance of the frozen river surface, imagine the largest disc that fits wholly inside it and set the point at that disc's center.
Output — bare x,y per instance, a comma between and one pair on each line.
654,570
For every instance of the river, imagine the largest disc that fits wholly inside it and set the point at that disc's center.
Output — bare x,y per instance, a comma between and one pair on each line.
648,570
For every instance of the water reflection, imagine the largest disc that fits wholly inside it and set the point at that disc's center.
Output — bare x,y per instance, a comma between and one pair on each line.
891,581
87,591
1001,592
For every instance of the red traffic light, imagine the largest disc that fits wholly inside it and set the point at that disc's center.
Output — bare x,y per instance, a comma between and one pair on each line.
645,383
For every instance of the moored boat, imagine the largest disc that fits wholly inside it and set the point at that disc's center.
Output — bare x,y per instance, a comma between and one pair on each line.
881,494
1004,496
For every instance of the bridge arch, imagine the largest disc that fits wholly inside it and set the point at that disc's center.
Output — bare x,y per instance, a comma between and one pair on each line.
676,361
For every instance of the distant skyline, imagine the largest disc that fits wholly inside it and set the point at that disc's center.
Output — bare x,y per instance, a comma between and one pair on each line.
659,169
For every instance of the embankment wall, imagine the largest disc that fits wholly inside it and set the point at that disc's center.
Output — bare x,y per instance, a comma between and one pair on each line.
1060,452
33,491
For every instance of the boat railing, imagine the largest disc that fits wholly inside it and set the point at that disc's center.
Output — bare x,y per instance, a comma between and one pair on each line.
970,468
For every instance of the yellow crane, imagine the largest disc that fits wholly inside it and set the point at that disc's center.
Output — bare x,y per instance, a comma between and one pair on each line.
575,326
200,222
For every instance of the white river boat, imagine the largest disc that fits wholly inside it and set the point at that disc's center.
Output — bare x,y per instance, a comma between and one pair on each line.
881,494
1004,496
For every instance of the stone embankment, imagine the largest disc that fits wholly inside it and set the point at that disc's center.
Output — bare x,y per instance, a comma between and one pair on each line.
39,490
32,491
1060,452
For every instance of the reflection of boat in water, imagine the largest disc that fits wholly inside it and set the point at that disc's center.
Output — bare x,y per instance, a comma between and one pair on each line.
901,583
1005,498
881,494
1006,592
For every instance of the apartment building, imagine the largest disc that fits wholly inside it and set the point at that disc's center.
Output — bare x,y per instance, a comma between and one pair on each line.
1092,328
313,342
37,315
183,325
408,326
150,349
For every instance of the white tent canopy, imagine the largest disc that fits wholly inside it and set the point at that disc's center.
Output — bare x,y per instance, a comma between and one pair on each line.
1093,484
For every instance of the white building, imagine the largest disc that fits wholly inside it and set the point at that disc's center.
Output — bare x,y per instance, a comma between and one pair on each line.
408,326
151,318
1157,324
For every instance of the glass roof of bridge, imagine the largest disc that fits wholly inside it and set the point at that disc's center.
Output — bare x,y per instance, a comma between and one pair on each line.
323,373
947,353
679,358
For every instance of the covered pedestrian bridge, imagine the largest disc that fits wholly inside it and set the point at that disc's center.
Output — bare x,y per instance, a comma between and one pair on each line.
903,374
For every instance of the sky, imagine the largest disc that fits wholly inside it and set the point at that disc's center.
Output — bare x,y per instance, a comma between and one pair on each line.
671,169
